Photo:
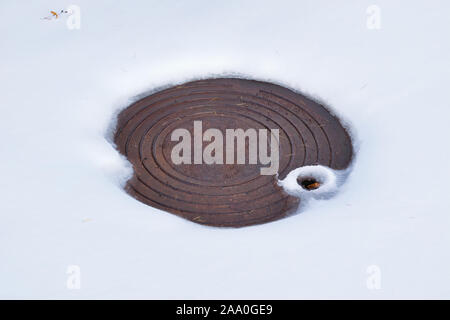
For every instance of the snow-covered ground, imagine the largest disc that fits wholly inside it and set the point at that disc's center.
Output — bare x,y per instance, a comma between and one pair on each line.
386,233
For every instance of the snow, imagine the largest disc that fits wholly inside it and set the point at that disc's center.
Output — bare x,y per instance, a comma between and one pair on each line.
326,177
61,198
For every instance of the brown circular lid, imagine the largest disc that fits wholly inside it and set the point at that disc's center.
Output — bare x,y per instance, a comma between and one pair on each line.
231,195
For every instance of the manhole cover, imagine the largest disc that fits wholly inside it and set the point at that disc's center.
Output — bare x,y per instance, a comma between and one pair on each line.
232,194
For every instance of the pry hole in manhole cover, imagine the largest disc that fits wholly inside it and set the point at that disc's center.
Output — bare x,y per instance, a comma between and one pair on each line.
308,183
234,194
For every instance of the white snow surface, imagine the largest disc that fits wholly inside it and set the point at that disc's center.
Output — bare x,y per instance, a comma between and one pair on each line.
326,177
61,198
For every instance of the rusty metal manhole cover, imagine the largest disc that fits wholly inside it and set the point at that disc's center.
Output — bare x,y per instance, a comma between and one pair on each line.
235,194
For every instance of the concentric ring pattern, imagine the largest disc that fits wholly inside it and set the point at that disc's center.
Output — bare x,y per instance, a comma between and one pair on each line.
228,195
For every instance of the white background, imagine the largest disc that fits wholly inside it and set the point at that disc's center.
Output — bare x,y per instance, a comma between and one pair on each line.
61,199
